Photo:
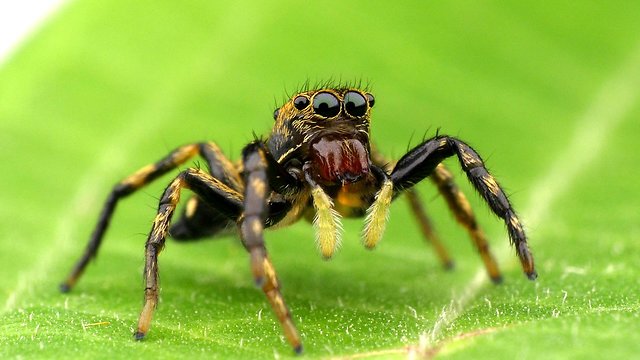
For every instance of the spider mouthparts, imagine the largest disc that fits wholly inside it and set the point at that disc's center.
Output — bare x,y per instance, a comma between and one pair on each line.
348,177
339,160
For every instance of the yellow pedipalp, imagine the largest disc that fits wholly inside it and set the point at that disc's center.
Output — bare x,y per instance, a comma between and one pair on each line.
377,215
326,222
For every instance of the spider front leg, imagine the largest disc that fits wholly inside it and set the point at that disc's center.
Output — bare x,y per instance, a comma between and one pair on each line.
262,172
421,162
235,206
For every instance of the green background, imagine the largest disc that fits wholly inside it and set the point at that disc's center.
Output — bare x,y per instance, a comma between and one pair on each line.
546,91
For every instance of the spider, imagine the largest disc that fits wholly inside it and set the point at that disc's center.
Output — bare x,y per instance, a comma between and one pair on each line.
318,163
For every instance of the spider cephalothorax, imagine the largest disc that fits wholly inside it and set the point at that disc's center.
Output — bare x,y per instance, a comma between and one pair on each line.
317,163
329,126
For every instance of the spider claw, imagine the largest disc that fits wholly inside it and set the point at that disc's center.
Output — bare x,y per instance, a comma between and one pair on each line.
139,335
497,280
65,288
449,265
298,349
532,275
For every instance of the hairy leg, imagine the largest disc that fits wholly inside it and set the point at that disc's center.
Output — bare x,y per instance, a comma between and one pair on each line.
422,161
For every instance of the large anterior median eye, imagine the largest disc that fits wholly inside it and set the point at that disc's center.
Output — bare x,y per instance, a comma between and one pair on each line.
326,104
355,104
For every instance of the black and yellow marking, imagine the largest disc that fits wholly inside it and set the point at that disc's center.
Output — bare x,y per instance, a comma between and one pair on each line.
423,160
215,193
124,188
221,167
419,212
251,224
460,207
209,151
316,163
271,288
153,247
200,220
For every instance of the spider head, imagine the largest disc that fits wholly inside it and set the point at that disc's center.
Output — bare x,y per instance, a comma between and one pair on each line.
327,128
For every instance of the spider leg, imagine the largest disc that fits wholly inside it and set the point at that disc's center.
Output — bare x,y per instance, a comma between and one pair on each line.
261,172
245,209
428,231
421,162
128,186
461,209
271,288
220,167
210,190
427,228
199,220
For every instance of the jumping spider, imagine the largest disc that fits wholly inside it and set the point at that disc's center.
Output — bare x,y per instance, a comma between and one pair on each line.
317,163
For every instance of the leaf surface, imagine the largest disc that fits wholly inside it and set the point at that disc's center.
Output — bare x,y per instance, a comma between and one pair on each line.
546,92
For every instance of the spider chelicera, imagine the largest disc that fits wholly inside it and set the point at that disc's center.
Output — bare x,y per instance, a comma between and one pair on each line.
318,164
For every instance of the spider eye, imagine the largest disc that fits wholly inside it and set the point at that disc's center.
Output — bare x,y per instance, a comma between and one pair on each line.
276,113
355,104
326,104
301,102
371,99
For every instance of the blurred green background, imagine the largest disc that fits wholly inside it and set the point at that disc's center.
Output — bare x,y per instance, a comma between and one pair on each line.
546,91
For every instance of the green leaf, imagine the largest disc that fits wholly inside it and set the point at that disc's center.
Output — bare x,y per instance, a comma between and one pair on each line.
546,92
